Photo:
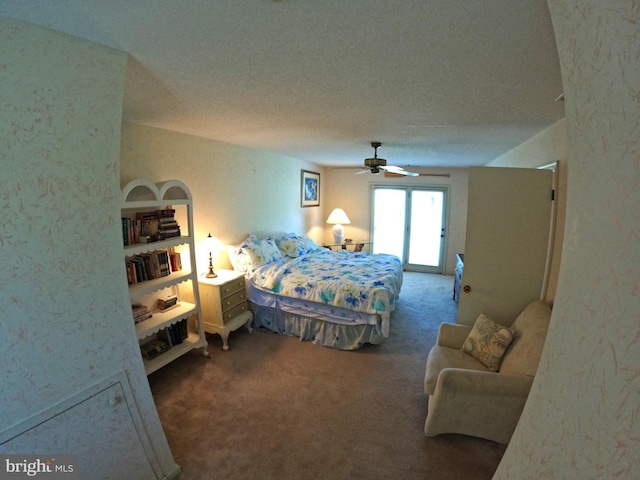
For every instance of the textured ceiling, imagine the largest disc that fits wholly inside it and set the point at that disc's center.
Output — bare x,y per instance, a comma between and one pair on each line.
438,82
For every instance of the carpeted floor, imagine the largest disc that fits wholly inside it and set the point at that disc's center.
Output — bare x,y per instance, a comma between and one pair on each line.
272,407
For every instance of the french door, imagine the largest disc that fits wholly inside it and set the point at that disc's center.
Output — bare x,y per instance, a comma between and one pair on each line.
410,222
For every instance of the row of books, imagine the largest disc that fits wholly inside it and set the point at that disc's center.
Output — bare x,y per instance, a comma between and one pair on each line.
150,226
165,340
156,264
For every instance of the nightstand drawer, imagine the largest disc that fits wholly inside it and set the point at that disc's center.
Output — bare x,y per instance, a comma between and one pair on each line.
235,311
232,287
231,301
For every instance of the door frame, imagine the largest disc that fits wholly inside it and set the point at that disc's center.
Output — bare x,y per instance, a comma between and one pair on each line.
408,188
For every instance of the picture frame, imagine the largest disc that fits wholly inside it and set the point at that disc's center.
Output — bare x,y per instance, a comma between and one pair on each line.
309,189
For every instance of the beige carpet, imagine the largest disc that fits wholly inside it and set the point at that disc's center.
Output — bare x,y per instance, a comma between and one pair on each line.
272,407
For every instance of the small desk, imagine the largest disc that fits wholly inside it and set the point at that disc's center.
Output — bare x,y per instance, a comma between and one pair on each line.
355,246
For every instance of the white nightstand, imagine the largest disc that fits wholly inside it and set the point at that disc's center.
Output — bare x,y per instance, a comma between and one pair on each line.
223,300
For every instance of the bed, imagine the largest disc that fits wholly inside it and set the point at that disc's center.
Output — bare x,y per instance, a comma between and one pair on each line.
333,298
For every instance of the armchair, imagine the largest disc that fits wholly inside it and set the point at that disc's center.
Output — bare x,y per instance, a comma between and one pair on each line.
465,397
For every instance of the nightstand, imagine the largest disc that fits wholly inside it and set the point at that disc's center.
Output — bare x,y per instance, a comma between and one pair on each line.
223,300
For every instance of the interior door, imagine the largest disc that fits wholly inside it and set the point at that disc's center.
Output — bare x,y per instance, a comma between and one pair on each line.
508,226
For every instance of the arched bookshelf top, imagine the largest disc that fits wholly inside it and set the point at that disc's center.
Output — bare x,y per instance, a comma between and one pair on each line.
143,190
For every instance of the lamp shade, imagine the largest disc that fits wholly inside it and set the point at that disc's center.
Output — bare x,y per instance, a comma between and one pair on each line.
338,217
212,244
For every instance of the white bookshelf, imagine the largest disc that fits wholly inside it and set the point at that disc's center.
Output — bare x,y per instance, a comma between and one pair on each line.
139,196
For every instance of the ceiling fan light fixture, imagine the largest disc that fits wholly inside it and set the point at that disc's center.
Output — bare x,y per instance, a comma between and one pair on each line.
375,164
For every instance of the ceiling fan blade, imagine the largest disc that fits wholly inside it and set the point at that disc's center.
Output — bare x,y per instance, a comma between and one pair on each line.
393,170
364,170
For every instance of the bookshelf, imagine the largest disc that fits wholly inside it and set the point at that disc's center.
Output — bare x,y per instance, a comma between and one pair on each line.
159,254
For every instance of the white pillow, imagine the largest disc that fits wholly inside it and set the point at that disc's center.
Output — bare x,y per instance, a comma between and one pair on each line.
253,253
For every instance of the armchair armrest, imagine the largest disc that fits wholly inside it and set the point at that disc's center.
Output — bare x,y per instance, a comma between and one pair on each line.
473,382
452,335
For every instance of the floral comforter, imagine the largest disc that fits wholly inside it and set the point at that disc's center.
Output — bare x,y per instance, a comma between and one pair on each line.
362,281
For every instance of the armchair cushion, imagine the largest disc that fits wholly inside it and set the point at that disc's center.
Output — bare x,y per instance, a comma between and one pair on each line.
531,327
441,357
488,341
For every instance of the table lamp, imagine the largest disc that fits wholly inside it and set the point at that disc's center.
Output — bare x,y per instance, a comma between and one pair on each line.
213,245
338,218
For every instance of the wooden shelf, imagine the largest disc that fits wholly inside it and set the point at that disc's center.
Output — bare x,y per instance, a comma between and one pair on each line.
164,319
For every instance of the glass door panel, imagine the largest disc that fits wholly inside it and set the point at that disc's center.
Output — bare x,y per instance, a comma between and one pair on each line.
426,232
389,221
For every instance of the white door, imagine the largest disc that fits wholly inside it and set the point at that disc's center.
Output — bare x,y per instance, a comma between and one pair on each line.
508,225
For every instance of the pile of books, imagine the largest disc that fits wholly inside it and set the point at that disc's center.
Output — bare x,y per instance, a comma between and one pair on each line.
140,313
150,226
167,301
167,225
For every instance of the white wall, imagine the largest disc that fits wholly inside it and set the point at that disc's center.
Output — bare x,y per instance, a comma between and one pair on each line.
352,193
65,317
236,190
582,417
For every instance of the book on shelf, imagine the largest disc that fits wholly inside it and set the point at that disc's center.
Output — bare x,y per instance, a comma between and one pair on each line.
147,266
167,301
153,348
178,332
140,313
175,261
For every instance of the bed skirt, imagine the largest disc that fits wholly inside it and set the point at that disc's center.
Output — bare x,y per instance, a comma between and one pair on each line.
317,331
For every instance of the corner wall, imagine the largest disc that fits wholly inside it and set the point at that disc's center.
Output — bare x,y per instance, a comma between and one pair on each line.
582,418
65,315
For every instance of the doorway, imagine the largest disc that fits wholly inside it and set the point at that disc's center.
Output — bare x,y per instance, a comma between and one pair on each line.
410,222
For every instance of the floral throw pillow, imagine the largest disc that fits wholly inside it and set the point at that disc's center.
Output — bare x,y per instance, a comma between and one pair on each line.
488,341
293,245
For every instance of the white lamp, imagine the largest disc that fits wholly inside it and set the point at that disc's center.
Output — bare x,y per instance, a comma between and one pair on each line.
213,245
338,218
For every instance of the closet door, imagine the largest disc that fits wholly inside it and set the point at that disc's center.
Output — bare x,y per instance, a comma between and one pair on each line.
507,242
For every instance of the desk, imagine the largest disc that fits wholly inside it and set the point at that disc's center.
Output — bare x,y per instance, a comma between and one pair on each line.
355,246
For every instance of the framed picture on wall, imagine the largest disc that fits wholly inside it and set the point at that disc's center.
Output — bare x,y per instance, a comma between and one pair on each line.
309,189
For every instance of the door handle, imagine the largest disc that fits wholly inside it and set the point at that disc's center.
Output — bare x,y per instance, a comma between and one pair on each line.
466,289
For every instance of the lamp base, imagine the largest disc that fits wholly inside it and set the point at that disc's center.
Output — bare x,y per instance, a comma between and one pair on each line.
338,234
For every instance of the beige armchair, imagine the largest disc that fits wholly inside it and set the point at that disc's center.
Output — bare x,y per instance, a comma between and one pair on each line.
465,397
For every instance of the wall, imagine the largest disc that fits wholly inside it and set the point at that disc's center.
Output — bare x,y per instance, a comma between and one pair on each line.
352,192
64,312
236,191
548,146
582,417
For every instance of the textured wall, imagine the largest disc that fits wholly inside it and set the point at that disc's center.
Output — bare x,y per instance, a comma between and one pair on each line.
583,416
64,312
234,188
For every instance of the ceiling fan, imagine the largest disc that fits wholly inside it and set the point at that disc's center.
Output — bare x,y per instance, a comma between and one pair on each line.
375,164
